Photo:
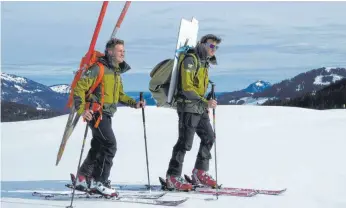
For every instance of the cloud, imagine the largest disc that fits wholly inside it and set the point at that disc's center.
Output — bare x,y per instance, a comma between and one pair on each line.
259,38
42,70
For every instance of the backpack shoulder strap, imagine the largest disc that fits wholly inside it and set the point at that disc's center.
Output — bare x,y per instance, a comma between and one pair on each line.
98,79
181,63
196,61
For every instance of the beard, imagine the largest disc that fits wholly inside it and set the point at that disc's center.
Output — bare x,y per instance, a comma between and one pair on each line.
111,59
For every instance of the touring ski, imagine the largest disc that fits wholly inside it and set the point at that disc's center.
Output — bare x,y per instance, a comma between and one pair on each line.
199,189
80,194
210,191
131,198
258,191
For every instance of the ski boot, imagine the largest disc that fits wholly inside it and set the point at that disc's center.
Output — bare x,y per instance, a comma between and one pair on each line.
177,183
103,188
81,183
201,177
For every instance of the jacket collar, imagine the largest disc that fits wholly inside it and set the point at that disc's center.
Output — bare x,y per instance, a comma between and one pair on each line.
121,68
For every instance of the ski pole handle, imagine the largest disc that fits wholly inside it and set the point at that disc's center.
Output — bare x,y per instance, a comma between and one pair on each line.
141,99
141,96
213,91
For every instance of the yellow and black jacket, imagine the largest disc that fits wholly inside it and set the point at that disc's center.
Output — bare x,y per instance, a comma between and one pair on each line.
113,88
193,81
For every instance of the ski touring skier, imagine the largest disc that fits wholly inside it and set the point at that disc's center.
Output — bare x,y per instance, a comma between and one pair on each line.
98,110
193,113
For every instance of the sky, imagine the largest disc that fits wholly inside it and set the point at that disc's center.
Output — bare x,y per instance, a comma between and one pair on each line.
270,41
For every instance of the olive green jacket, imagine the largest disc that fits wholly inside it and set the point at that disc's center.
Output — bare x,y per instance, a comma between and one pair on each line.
193,83
113,88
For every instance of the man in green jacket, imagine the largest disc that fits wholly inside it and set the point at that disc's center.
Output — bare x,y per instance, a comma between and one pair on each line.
95,170
193,114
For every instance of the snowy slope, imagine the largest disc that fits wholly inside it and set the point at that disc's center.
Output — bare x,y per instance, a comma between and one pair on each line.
258,146
63,88
332,77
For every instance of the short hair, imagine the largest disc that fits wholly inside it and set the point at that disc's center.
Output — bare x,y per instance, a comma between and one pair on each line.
113,42
215,38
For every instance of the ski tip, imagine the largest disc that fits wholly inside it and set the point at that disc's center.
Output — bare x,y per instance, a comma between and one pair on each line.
282,190
271,192
210,199
185,199
57,160
176,203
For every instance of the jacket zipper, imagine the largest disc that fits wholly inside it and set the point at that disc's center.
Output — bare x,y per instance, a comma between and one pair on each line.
115,81
205,77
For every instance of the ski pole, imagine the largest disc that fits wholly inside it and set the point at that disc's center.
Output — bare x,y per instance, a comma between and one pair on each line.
80,159
213,97
145,140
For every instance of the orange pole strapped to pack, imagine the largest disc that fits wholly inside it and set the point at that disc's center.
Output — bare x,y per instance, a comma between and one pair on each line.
121,18
87,58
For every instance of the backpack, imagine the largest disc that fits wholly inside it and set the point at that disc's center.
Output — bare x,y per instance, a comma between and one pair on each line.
161,76
85,66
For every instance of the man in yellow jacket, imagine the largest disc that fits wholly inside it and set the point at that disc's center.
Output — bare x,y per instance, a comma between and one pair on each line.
95,170
192,109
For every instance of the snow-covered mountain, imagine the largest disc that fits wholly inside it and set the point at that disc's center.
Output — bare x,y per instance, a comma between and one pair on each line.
22,90
258,86
310,81
244,96
61,88
330,97
15,84
307,82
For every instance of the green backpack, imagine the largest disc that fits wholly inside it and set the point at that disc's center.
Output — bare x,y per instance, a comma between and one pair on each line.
161,77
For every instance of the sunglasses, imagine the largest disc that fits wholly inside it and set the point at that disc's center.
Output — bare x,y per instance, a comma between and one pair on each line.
212,46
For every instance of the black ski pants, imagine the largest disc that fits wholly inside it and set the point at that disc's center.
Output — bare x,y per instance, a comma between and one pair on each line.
99,160
189,124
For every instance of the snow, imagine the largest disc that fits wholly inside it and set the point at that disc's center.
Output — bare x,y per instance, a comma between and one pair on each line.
259,101
61,88
327,69
299,87
42,109
250,100
319,78
19,80
259,84
21,89
257,146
